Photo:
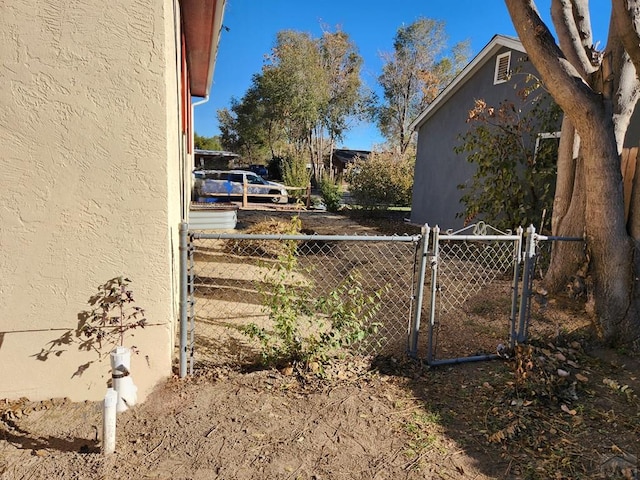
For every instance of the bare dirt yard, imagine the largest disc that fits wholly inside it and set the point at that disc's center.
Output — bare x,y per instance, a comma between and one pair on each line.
561,407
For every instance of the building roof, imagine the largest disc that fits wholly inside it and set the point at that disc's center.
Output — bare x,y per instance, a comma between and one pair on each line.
201,23
348,156
215,153
486,54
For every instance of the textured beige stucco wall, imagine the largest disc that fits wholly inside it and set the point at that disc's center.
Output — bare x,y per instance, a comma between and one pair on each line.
88,122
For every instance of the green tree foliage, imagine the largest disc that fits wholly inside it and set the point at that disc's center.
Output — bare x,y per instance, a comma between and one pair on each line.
247,128
301,102
413,75
513,183
206,143
382,180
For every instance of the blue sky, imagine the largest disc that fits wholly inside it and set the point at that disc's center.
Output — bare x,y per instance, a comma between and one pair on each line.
371,24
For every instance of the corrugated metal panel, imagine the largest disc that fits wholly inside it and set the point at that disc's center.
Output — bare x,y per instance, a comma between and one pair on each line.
213,219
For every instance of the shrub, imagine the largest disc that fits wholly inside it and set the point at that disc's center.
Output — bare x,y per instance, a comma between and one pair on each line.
295,174
381,181
514,183
331,193
304,328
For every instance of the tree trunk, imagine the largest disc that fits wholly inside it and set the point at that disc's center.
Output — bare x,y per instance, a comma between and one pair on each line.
567,220
609,247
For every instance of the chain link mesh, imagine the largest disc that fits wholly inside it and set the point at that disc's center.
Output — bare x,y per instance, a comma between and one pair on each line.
473,297
231,276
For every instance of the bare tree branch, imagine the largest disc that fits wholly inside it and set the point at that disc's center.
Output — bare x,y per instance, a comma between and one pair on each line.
626,16
572,24
565,83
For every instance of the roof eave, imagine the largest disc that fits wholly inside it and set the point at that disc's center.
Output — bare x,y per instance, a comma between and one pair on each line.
202,23
497,42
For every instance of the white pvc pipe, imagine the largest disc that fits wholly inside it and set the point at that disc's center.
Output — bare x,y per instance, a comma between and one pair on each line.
109,422
121,377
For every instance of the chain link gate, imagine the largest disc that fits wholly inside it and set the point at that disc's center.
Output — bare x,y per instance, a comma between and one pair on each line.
473,291
227,276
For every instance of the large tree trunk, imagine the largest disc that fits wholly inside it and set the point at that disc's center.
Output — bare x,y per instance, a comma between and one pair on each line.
567,220
610,247
591,111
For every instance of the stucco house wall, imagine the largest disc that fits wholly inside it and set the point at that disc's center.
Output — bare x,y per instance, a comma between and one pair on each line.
439,170
91,185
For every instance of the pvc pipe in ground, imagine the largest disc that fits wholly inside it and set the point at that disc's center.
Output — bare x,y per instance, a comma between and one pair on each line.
121,377
109,422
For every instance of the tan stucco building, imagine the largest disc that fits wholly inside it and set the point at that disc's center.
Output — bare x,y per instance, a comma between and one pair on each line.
96,136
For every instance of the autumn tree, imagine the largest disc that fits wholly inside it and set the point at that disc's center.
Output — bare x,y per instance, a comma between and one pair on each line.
300,103
515,173
413,74
598,92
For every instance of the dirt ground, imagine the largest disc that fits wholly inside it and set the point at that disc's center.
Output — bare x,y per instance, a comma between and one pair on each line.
562,407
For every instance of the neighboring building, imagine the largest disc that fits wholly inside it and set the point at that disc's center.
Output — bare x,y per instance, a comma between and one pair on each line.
490,76
96,123
215,159
439,170
342,158
495,75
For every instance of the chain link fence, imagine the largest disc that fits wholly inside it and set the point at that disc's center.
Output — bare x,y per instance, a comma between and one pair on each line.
232,277
473,288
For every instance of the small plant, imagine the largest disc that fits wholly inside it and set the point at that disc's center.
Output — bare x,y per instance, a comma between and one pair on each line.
331,193
114,313
305,329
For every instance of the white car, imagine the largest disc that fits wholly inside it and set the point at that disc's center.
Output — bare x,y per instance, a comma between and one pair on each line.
229,183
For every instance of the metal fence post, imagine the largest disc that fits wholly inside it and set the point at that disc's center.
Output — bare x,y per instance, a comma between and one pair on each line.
413,337
184,298
434,288
514,294
529,257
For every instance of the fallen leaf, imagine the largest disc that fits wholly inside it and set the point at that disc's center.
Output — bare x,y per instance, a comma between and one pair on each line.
566,409
581,378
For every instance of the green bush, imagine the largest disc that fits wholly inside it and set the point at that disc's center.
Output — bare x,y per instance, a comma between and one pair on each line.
513,183
304,328
381,181
295,174
331,193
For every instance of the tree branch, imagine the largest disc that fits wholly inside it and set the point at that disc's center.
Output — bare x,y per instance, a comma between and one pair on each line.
573,26
566,85
626,16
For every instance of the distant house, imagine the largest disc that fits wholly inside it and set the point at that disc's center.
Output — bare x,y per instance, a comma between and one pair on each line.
495,75
97,150
342,158
215,159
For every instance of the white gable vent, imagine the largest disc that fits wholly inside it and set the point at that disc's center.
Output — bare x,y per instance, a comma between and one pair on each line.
503,68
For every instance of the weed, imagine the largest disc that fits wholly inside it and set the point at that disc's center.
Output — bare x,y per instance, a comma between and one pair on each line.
305,328
331,193
423,428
